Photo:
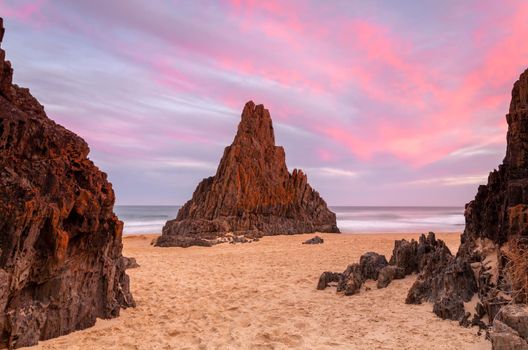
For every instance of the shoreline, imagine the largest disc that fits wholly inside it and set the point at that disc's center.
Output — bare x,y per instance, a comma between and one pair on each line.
262,295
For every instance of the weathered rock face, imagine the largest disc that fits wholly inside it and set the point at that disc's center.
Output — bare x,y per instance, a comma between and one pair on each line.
496,216
371,263
351,280
60,242
252,193
388,274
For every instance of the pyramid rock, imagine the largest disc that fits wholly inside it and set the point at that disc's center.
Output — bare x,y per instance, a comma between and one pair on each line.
252,193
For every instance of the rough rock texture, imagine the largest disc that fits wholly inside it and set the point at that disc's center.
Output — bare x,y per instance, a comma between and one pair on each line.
60,242
327,278
388,274
404,255
351,280
498,215
371,263
252,193
441,274
504,337
314,240
516,317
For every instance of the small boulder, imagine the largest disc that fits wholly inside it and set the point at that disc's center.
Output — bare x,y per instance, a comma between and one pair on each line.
371,263
504,337
388,274
515,316
327,278
351,280
449,308
314,240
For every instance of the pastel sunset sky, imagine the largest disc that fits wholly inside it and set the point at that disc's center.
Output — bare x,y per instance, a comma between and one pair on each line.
380,102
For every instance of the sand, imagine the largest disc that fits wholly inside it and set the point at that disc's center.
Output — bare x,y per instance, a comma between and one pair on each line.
262,296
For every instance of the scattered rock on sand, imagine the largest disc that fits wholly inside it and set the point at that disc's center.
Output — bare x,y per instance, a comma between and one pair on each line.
404,255
252,193
60,241
351,280
314,240
327,278
388,274
371,263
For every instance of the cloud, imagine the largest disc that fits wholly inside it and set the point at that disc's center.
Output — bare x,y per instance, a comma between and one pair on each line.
451,181
398,91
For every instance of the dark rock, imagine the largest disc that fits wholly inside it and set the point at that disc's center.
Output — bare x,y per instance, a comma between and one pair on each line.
498,215
129,263
327,278
351,280
388,274
404,255
314,240
442,275
504,337
371,263
465,320
515,317
252,193
60,241
449,308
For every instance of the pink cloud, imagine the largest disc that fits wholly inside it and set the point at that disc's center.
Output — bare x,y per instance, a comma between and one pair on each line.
21,10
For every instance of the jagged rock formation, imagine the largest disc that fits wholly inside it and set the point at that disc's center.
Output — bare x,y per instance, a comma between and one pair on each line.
60,242
351,280
498,215
371,263
407,257
252,193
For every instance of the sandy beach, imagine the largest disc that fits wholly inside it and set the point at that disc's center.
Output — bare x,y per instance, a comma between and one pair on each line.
262,296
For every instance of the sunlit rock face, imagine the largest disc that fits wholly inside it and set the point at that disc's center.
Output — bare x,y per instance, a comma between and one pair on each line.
60,242
252,193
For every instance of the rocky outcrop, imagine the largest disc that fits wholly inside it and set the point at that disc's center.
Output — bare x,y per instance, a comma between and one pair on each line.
351,280
60,242
371,263
252,193
407,257
314,240
388,274
497,216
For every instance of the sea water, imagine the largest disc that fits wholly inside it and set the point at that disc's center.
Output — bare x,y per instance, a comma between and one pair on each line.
150,219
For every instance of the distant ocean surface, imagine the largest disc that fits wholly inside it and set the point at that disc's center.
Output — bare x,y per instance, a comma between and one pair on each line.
150,219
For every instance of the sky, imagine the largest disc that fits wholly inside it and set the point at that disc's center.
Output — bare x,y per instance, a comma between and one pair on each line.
380,102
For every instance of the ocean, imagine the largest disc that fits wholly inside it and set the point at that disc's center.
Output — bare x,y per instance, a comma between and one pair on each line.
150,219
